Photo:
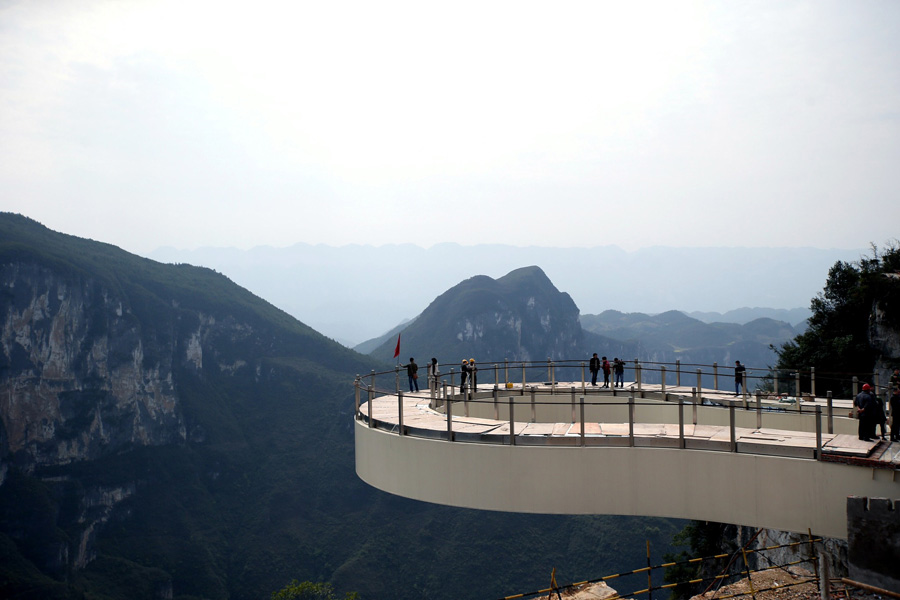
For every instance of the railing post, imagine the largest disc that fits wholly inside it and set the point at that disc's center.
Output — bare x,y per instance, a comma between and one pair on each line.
451,380
373,378
573,404
855,386
812,381
397,377
699,385
694,402
775,381
533,407
505,371
631,418
369,404
496,381
582,422
681,422
876,380
496,394
450,420
818,432
797,383
444,392
400,411
583,383
549,370
732,428
678,373
744,387
466,397
512,423
662,387
523,378
356,397
715,375
637,373
758,409
830,413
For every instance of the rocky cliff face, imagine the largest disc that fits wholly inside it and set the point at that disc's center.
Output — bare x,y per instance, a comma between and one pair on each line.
76,379
884,332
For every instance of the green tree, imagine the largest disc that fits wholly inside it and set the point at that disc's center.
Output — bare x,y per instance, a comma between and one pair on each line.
837,341
307,590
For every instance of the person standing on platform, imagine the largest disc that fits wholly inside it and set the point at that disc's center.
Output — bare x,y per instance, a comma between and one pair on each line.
865,408
463,374
606,370
412,370
619,371
739,371
880,417
594,367
895,414
434,373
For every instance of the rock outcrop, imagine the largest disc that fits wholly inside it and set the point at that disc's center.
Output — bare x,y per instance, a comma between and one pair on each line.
76,377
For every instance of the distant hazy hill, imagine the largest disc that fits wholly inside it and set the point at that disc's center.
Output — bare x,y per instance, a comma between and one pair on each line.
677,335
794,316
520,316
354,293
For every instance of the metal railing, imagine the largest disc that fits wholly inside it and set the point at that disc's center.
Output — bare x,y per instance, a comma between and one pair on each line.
791,383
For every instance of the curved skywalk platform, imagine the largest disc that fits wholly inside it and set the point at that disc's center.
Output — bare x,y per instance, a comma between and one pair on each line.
626,454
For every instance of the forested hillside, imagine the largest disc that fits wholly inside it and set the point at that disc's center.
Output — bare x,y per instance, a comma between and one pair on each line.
165,433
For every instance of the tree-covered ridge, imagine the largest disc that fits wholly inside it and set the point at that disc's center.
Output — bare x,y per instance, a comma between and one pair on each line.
859,301
262,489
151,290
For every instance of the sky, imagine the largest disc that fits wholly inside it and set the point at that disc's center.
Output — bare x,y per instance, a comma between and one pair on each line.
572,124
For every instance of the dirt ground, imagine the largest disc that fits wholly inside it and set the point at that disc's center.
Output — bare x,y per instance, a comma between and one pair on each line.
792,583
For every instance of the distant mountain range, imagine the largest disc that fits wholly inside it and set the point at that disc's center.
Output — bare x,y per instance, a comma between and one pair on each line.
522,316
354,293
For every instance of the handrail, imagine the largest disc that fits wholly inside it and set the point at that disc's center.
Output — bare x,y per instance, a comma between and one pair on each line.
698,372
679,400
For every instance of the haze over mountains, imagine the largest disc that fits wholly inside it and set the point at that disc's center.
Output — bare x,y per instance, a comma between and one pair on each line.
354,293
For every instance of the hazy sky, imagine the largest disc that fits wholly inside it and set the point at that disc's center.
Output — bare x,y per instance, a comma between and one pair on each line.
182,123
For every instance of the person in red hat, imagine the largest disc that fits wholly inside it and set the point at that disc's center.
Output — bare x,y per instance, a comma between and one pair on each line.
865,404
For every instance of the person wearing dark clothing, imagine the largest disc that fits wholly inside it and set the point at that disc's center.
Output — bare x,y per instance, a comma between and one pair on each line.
412,370
463,374
880,417
619,370
865,404
434,374
606,370
595,368
895,414
739,371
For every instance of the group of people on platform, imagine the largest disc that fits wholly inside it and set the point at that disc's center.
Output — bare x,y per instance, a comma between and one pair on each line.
870,409
617,368
468,372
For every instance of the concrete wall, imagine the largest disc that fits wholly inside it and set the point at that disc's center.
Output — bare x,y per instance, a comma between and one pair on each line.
762,491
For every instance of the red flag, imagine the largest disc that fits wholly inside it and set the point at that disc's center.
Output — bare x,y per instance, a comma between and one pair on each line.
397,349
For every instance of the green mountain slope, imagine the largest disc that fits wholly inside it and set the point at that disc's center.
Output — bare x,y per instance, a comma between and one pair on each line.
165,433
